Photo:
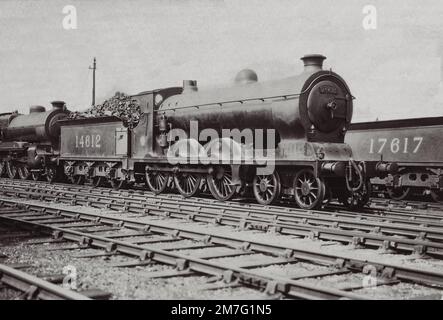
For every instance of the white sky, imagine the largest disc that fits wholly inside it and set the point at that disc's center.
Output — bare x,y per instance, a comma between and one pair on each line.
394,71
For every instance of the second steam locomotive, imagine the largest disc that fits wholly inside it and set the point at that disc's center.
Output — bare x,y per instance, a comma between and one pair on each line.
282,138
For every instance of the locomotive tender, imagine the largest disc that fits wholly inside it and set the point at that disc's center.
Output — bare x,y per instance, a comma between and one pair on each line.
104,150
413,143
305,117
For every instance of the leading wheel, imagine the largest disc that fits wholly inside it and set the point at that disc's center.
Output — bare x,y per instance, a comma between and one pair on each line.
11,170
187,184
157,181
398,193
266,188
309,191
220,184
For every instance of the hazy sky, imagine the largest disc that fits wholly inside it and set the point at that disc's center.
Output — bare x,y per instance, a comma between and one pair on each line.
394,71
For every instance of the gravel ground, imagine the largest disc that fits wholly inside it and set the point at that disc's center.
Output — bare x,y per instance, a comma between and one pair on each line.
123,283
134,283
9,294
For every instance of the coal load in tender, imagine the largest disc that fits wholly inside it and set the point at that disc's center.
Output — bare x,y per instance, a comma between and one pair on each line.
120,105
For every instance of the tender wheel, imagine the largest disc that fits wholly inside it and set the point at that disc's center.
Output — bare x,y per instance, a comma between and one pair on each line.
11,170
51,174
437,196
157,181
187,184
117,184
23,172
266,188
98,181
398,193
79,179
309,190
220,184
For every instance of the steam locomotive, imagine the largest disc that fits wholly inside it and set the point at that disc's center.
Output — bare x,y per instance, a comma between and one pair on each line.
275,138
30,144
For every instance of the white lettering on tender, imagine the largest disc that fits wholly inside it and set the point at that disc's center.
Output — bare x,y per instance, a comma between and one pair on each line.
88,141
394,145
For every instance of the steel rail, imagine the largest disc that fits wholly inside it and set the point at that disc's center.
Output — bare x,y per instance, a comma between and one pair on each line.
198,265
424,205
36,288
234,207
316,217
369,233
393,215
389,270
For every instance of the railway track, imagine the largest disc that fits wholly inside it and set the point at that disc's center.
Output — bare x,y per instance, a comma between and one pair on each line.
34,288
379,202
139,239
390,231
385,207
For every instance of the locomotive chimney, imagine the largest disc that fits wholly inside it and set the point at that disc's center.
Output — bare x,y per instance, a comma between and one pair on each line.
313,62
189,86
58,105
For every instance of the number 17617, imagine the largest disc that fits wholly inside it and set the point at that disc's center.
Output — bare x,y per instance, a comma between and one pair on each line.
395,145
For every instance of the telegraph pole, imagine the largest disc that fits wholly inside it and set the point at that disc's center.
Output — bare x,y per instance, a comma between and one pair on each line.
93,68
